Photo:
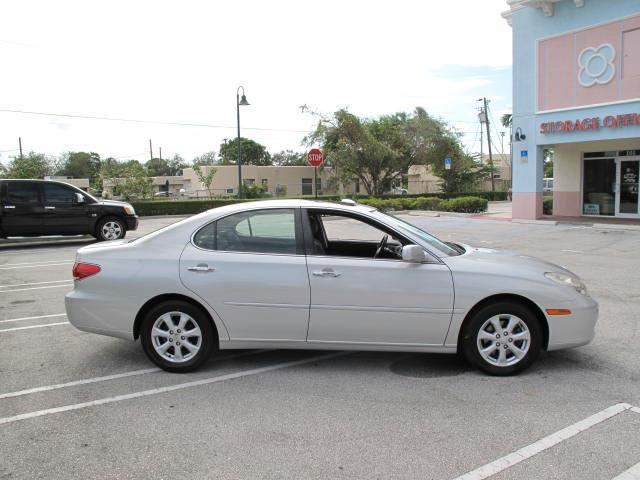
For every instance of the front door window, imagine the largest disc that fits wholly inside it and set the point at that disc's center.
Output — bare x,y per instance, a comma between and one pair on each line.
599,187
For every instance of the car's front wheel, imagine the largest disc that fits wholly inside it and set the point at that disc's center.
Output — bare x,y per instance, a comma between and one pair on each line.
177,336
110,228
503,338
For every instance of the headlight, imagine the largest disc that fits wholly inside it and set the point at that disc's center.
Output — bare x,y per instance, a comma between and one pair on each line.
129,210
567,280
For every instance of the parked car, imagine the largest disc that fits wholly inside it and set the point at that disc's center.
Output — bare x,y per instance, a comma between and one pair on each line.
321,275
40,207
162,194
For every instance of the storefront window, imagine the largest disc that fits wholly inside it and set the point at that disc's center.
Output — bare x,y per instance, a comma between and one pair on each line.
599,182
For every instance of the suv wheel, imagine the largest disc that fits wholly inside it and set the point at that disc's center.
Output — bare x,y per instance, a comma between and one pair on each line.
110,228
503,338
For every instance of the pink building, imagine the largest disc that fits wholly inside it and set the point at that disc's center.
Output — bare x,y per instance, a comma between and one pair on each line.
576,88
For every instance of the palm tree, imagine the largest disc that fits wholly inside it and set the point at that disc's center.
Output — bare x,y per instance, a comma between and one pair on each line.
507,120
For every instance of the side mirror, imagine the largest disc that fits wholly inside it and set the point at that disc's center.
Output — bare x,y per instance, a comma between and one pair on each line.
80,198
413,253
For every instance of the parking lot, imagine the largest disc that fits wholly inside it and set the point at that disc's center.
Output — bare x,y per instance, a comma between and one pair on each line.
79,405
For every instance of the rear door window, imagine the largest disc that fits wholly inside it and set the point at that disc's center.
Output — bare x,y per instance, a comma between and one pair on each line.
259,231
22,193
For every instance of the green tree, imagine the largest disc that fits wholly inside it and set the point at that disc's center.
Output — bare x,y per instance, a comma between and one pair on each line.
205,177
177,164
33,165
379,151
80,165
289,158
506,120
208,158
252,153
157,167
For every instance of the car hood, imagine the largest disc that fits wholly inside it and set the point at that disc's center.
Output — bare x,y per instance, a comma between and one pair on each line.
502,261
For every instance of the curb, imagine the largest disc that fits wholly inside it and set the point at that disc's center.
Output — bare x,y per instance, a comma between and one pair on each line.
615,226
535,222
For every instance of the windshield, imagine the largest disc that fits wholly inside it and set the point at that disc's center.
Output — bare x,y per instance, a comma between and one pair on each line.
436,246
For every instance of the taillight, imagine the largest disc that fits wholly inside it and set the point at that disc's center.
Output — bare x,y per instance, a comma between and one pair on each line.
84,270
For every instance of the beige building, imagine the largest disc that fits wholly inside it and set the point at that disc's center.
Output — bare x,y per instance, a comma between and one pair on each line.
81,183
279,181
175,185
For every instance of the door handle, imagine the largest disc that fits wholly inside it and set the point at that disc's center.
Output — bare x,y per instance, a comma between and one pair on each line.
326,273
49,208
201,267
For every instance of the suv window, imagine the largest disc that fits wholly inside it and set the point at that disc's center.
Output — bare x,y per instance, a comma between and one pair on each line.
22,192
260,231
54,193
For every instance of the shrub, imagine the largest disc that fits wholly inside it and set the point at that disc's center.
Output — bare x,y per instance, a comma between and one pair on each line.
547,206
465,205
427,203
189,207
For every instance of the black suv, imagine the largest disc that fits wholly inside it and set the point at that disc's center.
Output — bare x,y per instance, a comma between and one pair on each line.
42,207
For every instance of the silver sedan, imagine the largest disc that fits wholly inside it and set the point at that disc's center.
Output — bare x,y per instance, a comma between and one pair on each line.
321,275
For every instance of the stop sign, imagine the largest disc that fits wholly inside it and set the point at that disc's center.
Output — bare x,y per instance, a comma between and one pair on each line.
315,157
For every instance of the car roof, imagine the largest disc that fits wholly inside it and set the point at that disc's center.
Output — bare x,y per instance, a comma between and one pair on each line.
293,203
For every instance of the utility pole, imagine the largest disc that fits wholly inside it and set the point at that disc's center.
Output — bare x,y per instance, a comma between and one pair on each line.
20,146
150,150
160,153
486,121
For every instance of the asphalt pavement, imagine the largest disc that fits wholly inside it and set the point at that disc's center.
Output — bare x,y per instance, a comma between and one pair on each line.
78,405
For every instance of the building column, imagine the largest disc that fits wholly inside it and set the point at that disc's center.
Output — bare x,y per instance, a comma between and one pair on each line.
528,171
567,181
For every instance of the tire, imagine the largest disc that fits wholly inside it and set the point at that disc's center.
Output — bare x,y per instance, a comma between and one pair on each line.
502,355
110,228
155,344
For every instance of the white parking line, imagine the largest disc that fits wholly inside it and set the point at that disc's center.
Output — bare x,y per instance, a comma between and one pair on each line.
35,288
115,376
35,266
170,388
22,319
543,444
32,326
632,474
42,262
36,283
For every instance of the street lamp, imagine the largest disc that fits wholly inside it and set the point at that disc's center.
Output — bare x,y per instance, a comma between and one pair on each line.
240,101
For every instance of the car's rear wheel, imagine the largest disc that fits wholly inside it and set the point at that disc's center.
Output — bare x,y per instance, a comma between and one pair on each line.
110,228
177,336
503,338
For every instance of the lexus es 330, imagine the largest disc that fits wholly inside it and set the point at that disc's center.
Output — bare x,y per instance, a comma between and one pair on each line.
319,275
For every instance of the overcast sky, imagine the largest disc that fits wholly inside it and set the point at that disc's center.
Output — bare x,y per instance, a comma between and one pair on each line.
181,61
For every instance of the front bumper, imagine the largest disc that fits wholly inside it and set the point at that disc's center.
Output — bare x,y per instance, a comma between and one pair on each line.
132,222
575,330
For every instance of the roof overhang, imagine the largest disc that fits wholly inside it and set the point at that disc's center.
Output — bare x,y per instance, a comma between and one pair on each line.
545,5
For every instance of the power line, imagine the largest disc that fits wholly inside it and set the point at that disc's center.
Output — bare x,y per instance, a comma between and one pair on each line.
156,122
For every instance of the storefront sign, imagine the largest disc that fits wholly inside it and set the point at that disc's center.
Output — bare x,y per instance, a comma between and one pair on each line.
594,123
592,209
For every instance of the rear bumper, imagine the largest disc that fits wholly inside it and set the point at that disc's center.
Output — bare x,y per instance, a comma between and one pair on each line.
94,314
132,222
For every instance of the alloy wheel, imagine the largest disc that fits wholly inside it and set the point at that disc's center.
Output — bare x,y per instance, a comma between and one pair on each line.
176,337
503,340
111,230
